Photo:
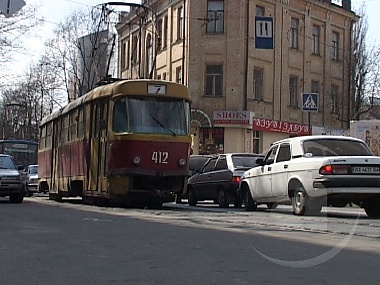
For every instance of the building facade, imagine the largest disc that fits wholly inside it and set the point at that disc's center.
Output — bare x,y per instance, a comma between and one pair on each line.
257,70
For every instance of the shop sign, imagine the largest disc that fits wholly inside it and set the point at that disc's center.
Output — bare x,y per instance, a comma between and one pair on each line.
268,125
233,119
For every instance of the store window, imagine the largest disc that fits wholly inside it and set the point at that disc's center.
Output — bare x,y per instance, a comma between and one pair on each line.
211,140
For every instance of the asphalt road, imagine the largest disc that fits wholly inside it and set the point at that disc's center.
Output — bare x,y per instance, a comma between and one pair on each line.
45,242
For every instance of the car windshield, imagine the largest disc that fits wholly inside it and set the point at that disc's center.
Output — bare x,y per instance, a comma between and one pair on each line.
151,116
33,169
336,147
196,163
244,161
6,163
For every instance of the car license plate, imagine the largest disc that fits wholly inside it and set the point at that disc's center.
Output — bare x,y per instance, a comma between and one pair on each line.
366,169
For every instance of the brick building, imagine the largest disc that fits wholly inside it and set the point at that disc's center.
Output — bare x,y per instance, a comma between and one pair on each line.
247,64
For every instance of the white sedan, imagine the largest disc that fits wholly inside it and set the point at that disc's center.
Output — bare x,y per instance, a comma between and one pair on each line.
312,171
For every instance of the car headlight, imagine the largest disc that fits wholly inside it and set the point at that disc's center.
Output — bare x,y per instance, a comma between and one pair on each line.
137,160
182,162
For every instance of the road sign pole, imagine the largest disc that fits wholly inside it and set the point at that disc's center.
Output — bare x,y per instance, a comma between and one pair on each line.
309,122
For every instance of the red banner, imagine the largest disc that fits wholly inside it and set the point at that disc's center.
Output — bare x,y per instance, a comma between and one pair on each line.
269,125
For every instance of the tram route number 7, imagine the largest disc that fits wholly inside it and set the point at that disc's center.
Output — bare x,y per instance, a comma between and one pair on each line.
160,157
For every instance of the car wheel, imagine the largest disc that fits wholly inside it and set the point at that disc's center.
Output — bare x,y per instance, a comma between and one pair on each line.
372,208
250,204
237,201
192,199
299,201
222,198
178,199
27,193
16,198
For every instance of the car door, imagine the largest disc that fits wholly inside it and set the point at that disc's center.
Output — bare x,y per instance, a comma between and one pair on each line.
263,180
204,186
280,172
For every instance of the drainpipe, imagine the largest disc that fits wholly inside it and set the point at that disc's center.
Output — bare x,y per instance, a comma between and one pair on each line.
245,94
183,41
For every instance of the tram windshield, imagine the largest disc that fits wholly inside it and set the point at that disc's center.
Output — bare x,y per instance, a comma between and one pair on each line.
151,116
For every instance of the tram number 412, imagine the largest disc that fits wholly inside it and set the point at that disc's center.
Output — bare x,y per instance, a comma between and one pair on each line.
160,157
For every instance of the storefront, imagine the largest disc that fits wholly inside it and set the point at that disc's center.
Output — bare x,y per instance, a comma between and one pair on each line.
268,131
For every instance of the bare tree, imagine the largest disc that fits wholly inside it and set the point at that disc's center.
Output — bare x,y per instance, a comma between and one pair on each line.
12,31
80,50
366,70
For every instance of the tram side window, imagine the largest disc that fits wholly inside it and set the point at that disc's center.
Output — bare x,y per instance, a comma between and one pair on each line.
120,116
81,124
49,134
42,143
73,126
65,131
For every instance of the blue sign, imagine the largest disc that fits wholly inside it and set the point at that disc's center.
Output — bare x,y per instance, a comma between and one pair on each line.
263,32
310,102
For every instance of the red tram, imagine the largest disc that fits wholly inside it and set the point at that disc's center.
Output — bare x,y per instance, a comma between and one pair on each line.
126,141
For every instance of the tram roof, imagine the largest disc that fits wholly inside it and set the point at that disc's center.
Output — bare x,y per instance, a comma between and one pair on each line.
118,87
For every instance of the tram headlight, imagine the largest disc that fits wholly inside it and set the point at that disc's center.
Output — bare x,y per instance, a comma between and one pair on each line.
182,162
137,160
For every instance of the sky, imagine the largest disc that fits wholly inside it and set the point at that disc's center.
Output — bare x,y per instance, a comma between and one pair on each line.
55,11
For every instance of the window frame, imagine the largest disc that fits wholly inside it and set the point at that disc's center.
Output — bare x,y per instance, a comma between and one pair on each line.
258,84
294,30
334,96
335,46
212,78
316,35
293,91
213,24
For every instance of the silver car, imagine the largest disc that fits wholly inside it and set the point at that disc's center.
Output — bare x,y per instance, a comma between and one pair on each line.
10,180
31,184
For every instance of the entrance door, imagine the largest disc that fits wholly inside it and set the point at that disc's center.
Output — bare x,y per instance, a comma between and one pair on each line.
98,141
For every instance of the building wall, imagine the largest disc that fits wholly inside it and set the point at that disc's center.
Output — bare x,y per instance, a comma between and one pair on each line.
235,50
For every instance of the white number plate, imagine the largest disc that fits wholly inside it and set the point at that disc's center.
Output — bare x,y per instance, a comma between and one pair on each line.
366,169
160,157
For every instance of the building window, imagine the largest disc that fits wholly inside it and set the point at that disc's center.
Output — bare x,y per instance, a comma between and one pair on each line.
159,34
178,74
134,58
334,98
258,84
214,80
260,11
164,76
256,142
149,56
315,89
165,37
179,23
294,24
335,46
215,16
124,55
314,86
293,91
316,36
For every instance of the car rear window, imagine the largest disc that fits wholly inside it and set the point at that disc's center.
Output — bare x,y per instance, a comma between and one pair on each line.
244,161
336,147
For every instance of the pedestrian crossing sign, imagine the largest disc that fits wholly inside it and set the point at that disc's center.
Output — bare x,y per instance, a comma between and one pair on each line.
310,102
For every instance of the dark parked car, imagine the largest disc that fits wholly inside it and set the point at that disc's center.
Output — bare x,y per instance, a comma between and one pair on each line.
10,180
219,178
196,163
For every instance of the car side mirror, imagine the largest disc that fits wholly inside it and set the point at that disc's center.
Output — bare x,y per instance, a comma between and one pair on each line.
260,161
